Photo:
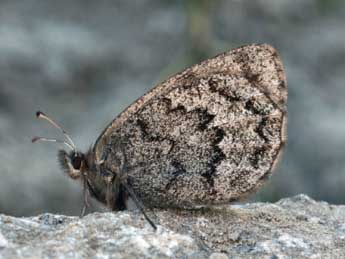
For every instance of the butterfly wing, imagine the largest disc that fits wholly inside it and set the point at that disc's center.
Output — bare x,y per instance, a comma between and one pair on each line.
208,135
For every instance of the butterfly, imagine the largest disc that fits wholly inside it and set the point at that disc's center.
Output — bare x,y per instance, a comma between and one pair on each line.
209,135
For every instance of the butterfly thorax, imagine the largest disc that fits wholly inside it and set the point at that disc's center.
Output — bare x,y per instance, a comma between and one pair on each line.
99,182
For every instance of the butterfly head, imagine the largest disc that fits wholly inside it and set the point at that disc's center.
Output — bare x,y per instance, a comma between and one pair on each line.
74,162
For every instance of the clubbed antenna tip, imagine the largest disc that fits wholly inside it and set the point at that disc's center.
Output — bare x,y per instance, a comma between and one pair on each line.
39,114
34,139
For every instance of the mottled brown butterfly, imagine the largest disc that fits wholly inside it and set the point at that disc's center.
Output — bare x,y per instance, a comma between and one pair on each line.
209,135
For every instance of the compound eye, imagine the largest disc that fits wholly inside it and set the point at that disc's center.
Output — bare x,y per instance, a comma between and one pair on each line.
76,162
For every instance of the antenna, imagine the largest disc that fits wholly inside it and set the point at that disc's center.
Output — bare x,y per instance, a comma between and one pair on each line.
35,139
41,115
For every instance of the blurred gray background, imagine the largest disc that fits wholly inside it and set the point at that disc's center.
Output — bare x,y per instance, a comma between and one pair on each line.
83,62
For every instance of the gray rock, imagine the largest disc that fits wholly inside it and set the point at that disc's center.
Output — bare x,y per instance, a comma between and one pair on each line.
3,241
296,227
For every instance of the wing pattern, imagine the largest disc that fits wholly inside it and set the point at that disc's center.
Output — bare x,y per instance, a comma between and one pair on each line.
209,135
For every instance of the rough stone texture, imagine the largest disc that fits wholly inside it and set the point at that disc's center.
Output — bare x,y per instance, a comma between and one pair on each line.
296,227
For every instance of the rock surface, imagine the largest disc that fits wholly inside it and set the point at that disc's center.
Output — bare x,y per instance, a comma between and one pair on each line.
296,227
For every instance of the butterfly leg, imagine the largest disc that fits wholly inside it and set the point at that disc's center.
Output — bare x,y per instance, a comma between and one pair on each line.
137,202
110,180
108,195
86,195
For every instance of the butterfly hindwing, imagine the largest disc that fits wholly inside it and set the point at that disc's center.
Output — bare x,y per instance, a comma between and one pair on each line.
208,135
